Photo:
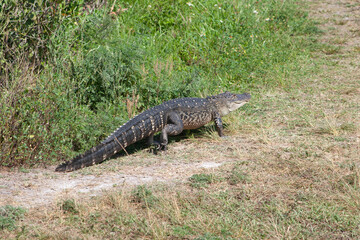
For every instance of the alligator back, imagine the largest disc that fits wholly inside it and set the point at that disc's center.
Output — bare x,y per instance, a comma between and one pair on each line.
141,126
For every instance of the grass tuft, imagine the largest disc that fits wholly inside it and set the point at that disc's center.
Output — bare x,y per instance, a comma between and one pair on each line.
202,179
69,206
143,195
9,215
237,176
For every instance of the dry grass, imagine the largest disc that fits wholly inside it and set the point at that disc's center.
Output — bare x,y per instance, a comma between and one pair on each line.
290,170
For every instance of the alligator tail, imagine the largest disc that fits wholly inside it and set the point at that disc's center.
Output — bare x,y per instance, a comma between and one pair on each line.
91,157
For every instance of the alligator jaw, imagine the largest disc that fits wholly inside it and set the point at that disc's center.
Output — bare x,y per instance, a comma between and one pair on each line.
234,106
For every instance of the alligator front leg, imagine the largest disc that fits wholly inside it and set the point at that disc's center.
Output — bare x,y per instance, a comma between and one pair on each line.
218,124
154,145
173,127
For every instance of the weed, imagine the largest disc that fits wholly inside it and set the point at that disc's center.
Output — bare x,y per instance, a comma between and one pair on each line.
69,206
202,179
9,215
142,194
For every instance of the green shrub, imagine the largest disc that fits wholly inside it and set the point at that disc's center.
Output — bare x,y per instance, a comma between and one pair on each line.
105,74
26,30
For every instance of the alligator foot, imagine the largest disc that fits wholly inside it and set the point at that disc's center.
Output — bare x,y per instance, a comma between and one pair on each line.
157,148
154,148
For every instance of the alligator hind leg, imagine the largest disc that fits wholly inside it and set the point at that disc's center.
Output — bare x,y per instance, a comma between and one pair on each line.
174,127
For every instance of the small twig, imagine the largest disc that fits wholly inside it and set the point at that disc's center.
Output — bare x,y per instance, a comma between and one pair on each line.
121,145
112,7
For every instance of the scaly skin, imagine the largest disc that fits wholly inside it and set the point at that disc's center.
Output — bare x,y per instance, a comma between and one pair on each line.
171,118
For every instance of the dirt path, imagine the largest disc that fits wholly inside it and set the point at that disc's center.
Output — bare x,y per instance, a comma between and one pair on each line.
317,122
37,187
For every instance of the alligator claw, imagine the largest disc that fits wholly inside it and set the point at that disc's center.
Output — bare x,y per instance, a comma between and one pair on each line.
163,148
155,147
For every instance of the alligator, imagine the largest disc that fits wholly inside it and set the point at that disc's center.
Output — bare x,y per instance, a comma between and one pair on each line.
171,118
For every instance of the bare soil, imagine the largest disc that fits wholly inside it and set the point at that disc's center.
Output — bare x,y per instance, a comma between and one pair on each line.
37,187
297,138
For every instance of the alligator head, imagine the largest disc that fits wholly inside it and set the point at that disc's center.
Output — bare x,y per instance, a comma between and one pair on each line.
227,102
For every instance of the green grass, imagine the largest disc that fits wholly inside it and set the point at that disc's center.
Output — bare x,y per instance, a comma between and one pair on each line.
99,68
69,206
9,216
202,180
